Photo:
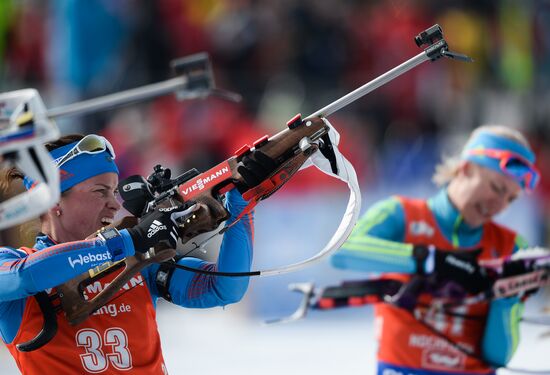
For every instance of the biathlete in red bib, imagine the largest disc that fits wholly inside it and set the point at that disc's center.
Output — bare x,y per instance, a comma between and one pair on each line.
121,337
447,235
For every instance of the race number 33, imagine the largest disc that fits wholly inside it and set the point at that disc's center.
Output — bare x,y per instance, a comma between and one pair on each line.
111,349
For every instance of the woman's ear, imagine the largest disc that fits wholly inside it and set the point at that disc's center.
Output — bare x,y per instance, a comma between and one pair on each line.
464,168
56,210
468,168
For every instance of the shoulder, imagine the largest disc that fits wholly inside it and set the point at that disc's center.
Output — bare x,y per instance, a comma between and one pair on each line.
520,242
501,228
383,210
384,219
507,237
389,206
10,252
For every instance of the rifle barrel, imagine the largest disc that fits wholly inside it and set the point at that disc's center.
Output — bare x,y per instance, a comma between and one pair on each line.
120,98
370,86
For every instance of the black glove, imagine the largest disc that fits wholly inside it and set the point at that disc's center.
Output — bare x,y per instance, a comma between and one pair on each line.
158,226
519,267
254,168
460,266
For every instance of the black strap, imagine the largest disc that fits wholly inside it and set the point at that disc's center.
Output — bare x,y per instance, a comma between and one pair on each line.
162,280
49,327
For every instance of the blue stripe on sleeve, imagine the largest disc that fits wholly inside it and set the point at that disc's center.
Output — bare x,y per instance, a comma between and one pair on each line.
376,242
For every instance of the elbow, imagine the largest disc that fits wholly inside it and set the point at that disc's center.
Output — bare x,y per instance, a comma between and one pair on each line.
232,300
497,352
21,286
338,261
234,294
501,337
496,358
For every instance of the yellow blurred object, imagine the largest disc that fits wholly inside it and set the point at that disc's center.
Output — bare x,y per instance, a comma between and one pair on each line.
205,11
25,118
467,33
516,63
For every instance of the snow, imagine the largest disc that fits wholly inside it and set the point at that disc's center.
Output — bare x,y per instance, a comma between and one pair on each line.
230,341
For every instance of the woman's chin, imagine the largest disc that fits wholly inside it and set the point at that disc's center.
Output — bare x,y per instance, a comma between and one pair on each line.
476,221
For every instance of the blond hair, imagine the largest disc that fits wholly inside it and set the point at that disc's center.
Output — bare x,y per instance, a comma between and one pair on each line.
11,185
449,166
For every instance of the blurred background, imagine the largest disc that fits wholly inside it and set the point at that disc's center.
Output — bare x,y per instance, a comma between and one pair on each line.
286,57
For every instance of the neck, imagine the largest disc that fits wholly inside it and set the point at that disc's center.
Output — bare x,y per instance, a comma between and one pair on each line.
453,191
53,228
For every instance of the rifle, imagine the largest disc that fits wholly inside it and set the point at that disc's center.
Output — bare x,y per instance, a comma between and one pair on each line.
290,149
534,262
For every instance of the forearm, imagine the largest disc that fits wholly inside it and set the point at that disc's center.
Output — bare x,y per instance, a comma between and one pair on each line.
22,276
201,290
501,336
236,256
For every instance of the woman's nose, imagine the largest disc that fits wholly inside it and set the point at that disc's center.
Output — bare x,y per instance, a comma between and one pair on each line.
114,203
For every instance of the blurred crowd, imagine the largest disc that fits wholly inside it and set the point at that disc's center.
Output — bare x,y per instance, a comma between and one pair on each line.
286,57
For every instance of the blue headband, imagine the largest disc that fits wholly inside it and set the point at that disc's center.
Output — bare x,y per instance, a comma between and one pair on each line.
491,141
80,168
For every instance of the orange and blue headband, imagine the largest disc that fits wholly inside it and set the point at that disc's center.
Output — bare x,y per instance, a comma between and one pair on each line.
503,155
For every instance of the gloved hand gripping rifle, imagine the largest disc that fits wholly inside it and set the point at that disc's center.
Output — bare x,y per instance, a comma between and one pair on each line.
289,148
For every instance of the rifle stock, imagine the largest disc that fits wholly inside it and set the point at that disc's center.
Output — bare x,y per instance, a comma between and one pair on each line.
77,308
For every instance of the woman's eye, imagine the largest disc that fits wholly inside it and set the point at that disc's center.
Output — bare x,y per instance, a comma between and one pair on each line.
497,189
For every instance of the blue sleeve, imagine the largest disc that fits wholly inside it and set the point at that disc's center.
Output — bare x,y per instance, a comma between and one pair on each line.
189,289
501,335
520,243
376,243
23,275
11,314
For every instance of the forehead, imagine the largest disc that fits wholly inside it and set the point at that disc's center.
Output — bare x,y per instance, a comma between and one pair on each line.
109,179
